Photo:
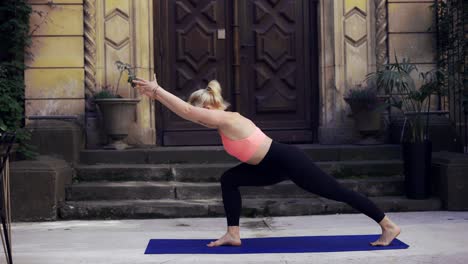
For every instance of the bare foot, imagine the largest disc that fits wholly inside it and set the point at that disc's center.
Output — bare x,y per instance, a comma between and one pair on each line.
389,232
227,239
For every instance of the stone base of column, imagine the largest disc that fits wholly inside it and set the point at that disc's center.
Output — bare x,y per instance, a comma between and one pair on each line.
38,188
141,136
450,181
63,139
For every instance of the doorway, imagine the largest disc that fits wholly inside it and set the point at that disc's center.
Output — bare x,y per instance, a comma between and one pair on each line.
263,52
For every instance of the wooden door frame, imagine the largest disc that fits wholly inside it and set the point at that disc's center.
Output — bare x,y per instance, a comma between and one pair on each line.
314,60
158,47
160,26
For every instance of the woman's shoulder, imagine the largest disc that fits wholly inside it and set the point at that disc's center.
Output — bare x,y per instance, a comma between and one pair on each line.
233,118
236,123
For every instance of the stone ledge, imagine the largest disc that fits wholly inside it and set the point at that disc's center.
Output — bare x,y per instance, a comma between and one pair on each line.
452,158
63,139
38,187
450,179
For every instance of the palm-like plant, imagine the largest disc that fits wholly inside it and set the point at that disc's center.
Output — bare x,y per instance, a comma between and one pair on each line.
396,81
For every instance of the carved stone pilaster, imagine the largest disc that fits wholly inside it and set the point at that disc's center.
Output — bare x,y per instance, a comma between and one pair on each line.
89,10
94,135
381,49
124,31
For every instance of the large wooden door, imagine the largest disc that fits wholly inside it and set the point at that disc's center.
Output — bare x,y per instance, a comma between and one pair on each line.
192,51
278,86
273,81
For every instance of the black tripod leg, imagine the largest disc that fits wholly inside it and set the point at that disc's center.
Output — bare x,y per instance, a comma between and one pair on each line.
5,231
7,240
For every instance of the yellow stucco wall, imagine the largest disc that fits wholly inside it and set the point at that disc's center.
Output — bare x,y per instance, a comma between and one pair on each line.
409,35
55,74
55,78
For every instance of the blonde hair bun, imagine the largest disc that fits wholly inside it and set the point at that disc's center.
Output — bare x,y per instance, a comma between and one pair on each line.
211,95
214,87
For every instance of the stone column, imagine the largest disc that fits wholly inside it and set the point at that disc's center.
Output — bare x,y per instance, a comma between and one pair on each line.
347,55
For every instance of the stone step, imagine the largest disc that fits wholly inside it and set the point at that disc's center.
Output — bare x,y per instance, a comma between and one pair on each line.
171,208
216,154
212,172
382,186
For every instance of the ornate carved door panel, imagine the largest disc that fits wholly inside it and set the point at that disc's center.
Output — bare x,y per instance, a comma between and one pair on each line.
277,87
192,51
278,74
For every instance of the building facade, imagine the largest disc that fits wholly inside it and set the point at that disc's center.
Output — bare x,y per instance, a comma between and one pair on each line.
286,64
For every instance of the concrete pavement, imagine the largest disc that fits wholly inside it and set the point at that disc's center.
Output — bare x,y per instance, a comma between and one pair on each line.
434,237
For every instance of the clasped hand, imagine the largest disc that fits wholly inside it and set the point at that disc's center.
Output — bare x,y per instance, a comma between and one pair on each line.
145,87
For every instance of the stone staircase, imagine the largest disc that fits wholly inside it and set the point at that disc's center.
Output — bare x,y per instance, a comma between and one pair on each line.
184,182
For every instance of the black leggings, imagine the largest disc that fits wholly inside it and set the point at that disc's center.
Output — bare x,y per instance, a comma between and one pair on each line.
284,161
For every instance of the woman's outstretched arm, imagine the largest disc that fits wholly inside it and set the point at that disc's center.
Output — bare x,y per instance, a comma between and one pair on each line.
203,116
206,117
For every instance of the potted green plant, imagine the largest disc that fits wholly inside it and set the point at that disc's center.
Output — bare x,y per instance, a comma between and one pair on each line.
117,112
414,103
366,106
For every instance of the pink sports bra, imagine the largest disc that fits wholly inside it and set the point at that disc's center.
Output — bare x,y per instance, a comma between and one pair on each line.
243,149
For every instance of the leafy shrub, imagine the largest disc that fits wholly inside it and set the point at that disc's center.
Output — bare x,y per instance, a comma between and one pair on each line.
14,38
362,99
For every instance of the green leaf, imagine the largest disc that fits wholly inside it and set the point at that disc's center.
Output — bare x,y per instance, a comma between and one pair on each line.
14,17
3,127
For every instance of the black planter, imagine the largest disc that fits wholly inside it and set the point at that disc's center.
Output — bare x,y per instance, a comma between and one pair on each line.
417,165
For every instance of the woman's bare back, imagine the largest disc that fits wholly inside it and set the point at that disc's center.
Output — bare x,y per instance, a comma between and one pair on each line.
237,127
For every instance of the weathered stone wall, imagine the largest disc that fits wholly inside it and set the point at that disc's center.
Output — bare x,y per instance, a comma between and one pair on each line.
356,35
54,79
412,35
409,36
38,188
75,44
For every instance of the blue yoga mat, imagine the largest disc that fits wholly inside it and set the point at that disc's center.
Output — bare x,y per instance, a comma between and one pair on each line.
297,244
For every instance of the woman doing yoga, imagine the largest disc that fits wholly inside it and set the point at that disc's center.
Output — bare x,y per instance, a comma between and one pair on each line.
264,161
